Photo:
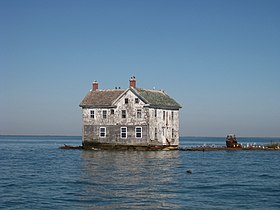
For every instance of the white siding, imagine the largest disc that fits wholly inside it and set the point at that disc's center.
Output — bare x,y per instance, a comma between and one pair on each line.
164,126
148,119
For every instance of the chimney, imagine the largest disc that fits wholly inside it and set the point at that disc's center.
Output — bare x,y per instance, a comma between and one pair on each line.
132,82
94,85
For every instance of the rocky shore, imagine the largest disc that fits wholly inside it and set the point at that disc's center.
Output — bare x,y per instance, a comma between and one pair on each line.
271,147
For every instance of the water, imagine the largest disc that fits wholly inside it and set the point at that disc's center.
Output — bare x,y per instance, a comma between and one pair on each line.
35,174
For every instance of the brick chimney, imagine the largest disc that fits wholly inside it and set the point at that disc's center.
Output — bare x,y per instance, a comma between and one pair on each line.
94,85
132,82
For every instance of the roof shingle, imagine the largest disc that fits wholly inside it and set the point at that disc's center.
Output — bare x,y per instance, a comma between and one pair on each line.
158,99
106,98
101,98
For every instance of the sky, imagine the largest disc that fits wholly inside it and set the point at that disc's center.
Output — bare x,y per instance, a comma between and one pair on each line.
220,59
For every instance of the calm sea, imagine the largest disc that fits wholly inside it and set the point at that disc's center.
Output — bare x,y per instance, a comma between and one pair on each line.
35,174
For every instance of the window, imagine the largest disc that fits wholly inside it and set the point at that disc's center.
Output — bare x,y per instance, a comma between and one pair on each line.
126,100
172,115
139,114
102,132
104,113
92,114
172,133
112,111
137,100
155,112
155,133
123,114
138,132
163,115
123,132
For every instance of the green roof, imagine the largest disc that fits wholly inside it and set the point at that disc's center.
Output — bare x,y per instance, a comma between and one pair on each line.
157,99
106,98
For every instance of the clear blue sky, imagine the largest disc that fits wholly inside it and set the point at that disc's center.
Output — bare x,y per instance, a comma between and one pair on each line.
219,59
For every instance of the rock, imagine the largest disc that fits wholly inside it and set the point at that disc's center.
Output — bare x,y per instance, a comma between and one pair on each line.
189,171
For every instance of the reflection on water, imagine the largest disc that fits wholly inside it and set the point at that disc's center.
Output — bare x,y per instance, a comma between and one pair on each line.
129,179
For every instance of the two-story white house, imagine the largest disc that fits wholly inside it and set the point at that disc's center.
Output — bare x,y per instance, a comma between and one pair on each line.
132,117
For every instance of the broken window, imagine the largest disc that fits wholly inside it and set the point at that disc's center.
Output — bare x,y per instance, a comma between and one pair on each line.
139,114
123,113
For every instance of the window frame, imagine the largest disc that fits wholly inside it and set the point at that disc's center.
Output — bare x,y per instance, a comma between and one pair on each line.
100,132
104,114
138,113
137,132
91,114
123,114
121,132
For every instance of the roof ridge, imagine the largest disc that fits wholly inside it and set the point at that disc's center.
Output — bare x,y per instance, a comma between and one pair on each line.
99,90
152,90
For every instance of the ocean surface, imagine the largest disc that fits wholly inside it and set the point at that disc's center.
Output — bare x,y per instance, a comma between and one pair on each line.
36,174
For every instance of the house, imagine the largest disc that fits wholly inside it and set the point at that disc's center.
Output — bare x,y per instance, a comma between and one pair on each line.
132,117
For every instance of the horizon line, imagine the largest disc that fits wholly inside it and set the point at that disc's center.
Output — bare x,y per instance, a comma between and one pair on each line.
191,136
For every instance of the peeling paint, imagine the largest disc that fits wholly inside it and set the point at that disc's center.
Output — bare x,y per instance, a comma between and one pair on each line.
119,120
161,128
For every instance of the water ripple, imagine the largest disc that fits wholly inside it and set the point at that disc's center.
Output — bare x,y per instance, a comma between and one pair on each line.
38,175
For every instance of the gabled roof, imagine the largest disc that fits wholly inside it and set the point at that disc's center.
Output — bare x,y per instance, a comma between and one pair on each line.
107,98
157,99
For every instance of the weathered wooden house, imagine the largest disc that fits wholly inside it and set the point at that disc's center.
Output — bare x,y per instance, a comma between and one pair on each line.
132,117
